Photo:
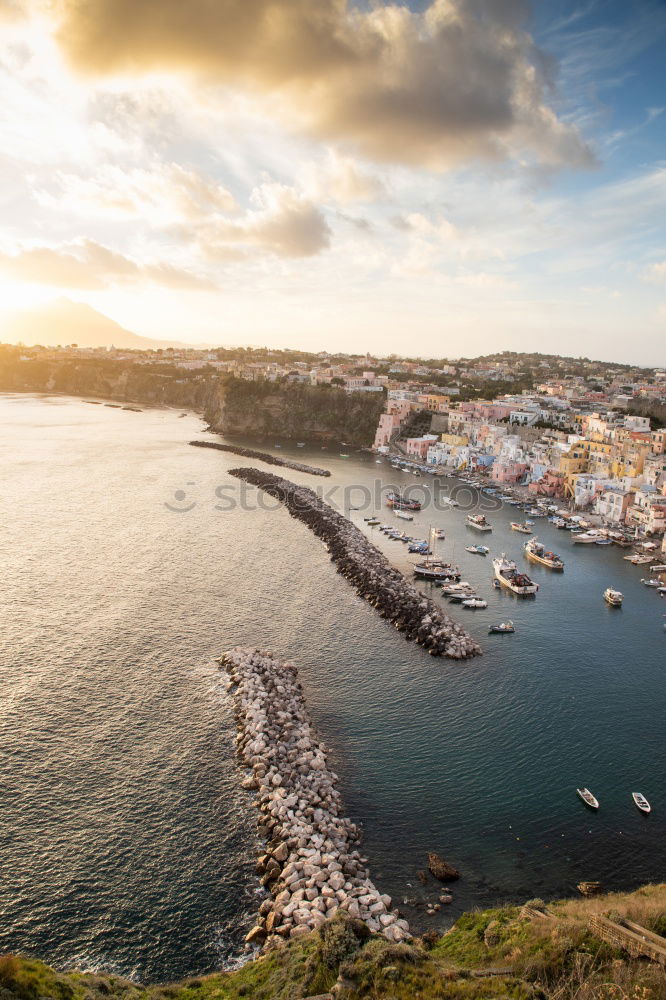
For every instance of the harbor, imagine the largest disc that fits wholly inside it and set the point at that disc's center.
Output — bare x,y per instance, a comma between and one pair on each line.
477,760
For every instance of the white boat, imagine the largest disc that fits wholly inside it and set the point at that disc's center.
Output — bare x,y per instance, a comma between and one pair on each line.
372,520
474,602
403,514
652,582
449,502
440,533
659,568
478,522
641,802
638,560
509,576
586,537
435,569
613,597
516,526
477,550
588,798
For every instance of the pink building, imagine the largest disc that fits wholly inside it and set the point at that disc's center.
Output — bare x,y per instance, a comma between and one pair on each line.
508,472
388,425
550,485
418,447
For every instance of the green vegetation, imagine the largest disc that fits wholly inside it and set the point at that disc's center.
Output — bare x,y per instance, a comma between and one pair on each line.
297,411
498,954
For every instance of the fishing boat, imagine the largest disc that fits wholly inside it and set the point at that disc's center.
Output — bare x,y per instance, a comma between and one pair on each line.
509,576
474,602
477,550
613,597
399,502
588,798
504,628
536,552
516,526
403,514
478,522
641,802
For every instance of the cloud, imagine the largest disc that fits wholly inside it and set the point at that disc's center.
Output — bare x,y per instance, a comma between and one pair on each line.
656,273
340,178
458,81
284,223
163,194
84,264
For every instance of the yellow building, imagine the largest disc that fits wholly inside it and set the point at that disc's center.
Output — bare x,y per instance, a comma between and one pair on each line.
454,439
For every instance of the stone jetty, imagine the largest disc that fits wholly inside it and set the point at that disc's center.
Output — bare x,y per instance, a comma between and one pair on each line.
368,570
262,456
311,866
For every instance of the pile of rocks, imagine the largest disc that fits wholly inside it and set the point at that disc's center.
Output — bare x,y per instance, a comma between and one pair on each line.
311,867
368,570
262,456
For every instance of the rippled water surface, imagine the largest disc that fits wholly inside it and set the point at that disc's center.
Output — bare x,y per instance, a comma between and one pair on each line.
125,842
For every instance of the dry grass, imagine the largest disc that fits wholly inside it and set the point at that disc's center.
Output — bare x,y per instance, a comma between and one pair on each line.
646,906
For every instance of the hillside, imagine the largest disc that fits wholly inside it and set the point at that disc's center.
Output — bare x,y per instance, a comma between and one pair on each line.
65,322
541,953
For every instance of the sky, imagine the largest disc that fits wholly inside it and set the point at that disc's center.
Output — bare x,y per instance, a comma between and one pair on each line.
442,178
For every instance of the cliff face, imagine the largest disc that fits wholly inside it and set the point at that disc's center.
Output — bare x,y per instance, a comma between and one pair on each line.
300,412
229,405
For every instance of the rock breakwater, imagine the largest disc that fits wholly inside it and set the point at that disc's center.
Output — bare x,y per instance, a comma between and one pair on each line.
368,570
262,456
312,866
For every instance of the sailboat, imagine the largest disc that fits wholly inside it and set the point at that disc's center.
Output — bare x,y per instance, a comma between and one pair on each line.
435,569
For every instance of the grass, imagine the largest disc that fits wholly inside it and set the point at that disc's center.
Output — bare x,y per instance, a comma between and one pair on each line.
556,959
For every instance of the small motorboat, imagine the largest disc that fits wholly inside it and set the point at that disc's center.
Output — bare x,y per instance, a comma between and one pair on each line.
474,602
588,798
477,550
372,520
504,628
641,802
497,585
403,514
652,582
440,533
613,597
517,526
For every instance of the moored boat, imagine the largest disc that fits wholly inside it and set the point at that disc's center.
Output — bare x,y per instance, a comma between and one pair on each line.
477,550
588,798
509,576
403,514
474,602
641,802
478,522
435,569
613,597
504,628
586,537
517,526
536,552
399,502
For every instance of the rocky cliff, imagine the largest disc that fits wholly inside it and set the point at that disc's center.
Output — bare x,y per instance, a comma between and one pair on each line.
230,406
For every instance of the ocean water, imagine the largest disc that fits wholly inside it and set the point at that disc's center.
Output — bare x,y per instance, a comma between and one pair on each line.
130,560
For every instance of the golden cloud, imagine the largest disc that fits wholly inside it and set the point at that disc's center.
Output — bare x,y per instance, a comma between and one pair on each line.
85,264
461,80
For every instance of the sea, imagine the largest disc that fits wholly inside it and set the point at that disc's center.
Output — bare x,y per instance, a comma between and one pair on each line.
129,561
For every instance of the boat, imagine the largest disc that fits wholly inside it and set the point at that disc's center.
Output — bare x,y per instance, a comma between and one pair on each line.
638,560
586,537
372,521
440,533
300,444
516,526
536,552
457,588
436,569
457,597
613,597
652,582
588,798
474,602
641,802
342,455
478,522
399,502
449,502
477,550
508,575
496,584
403,514
504,628
604,541
659,568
